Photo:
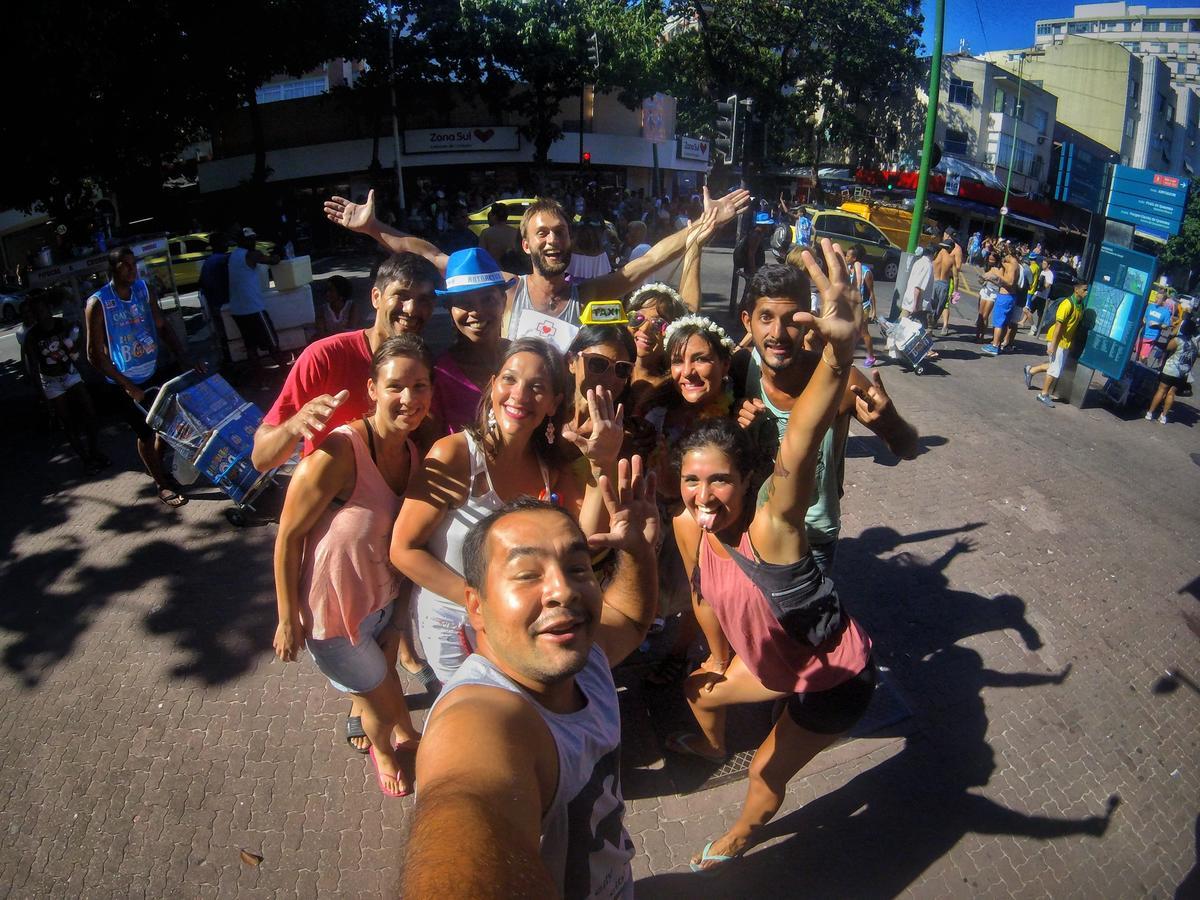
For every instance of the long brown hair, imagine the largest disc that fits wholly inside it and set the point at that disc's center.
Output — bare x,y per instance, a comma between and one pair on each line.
488,437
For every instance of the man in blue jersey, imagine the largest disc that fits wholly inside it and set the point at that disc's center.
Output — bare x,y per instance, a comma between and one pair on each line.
124,327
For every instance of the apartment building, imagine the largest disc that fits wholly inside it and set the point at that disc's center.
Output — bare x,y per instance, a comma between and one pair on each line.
1129,104
982,108
1171,34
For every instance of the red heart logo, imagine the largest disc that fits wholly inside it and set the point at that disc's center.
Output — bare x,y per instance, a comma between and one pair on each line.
484,136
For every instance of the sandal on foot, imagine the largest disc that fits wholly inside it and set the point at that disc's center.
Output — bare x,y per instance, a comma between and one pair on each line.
354,730
379,776
705,856
669,670
427,677
681,743
171,498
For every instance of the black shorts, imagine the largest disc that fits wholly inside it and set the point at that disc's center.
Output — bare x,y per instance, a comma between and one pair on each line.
128,410
258,332
1172,381
836,710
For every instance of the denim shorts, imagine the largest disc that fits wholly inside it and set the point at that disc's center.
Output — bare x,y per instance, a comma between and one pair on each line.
1003,310
354,668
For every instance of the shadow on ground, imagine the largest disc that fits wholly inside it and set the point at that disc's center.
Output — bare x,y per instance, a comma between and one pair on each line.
874,836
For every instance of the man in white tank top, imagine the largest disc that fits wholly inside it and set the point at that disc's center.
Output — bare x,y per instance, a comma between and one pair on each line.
518,775
546,238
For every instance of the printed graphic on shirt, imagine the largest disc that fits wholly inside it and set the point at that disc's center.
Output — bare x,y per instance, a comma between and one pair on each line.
598,849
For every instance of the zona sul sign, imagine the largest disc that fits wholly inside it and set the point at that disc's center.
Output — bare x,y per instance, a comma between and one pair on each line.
443,140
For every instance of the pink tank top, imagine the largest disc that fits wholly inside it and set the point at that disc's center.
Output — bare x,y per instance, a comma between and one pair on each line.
345,574
773,657
455,396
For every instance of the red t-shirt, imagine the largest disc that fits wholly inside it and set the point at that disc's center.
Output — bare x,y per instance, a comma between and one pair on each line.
327,366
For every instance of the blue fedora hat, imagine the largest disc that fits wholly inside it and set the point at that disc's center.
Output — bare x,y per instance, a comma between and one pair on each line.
471,270
763,218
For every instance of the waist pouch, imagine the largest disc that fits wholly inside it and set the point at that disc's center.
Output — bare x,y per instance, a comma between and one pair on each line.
803,601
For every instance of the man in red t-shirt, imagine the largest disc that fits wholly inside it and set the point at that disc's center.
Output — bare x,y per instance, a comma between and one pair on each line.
327,386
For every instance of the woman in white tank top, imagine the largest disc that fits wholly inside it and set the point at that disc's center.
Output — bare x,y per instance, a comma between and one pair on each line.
509,452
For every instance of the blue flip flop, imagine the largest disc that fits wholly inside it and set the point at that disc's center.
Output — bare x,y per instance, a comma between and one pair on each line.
711,857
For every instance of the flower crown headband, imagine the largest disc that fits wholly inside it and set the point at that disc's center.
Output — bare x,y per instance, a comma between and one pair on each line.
654,287
701,323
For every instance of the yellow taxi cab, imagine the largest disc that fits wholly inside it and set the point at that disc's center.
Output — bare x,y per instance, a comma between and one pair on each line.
188,253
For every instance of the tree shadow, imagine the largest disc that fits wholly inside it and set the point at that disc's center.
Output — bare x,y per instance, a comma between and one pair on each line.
874,836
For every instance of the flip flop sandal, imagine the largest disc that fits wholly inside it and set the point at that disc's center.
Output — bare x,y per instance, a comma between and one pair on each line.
354,729
705,856
680,743
171,498
382,784
427,677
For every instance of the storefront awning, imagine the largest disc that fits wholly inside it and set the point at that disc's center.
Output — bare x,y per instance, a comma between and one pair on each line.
1029,220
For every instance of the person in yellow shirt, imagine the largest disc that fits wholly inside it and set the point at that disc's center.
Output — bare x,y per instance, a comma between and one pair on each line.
1066,320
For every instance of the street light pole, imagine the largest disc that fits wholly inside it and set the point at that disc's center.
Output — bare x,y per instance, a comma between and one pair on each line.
1012,151
935,87
395,119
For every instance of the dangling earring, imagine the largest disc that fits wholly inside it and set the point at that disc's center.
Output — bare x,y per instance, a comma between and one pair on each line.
491,420
549,432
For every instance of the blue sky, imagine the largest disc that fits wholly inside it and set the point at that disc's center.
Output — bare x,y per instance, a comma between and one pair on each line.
1007,24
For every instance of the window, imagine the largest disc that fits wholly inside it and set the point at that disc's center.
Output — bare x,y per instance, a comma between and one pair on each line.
962,92
1045,29
998,100
1080,27
872,234
956,142
1174,25
1131,46
835,224
1041,120
1156,47
1150,25
1022,160
1129,128
196,246
1035,167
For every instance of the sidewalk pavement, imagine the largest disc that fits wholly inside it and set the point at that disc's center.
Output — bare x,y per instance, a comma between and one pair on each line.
1028,581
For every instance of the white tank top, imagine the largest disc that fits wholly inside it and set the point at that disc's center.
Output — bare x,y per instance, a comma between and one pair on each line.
521,302
446,542
584,843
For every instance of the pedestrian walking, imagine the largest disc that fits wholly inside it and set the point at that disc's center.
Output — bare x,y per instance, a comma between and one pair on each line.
1181,356
1058,342
246,303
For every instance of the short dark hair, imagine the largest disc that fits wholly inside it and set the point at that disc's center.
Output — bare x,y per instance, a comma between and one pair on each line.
401,345
115,255
860,252
777,280
406,268
341,284
499,212
474,547
724,434
543,205
594,335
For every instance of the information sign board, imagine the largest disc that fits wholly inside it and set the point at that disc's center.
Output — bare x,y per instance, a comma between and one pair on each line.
1115,303
1147,199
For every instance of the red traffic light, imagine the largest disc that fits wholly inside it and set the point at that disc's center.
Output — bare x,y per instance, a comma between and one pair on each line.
587,157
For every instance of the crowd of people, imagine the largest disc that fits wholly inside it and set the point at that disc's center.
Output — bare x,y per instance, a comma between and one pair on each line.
493,517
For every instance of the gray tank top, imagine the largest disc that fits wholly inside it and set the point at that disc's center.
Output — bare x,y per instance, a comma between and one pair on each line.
521,302
823,520
584,842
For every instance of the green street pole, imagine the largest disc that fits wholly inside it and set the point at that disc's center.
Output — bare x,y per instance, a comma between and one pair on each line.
1012,151
935,86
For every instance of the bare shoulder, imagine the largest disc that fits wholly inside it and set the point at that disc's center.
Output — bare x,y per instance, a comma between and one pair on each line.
687,537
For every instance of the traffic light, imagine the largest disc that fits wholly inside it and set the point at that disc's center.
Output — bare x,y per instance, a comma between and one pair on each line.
726,142
594,51
587,157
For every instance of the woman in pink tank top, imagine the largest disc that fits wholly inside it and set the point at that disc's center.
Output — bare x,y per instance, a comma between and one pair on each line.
336,590
774,625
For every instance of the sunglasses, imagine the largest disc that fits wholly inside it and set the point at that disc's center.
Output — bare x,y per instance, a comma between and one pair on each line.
637,320
598,365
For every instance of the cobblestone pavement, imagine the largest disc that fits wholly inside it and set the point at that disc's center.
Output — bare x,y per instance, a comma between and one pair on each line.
1028,581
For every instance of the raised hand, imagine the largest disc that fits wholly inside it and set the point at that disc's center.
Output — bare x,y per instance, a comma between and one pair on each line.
602,444
730,205
702,229
871,403
313,415
836,325
750,411
633,524
353,216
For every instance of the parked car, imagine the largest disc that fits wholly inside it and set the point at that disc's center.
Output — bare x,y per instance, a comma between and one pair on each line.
848,229
188,253
1065,278
10,307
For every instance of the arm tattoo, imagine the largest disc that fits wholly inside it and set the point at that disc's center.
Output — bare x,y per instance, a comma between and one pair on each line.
780,470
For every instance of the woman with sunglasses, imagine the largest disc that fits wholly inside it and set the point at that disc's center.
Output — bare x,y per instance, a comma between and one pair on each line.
512,449
651,308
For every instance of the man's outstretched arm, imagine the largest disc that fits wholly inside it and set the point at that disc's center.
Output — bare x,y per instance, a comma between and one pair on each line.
360,218
477,829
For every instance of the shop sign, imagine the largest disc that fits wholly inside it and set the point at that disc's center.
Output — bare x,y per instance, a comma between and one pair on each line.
693,148
445,140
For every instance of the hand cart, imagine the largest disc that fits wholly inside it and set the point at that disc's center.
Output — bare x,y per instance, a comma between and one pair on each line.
911,338
211,429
